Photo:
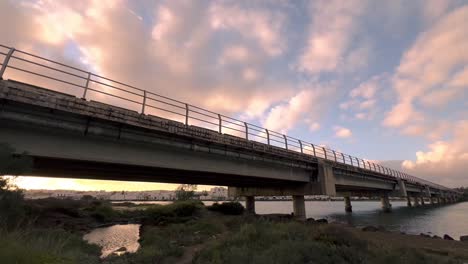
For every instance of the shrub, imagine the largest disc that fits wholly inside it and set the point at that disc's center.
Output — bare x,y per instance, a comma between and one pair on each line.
228,208
179,211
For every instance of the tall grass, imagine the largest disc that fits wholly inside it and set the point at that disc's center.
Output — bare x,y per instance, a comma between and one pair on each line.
43,246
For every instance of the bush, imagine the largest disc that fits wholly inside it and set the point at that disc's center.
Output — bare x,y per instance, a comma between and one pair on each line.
179,211
228,208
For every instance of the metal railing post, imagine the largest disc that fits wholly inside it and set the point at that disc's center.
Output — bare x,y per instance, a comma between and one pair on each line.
268,136
313,149
334,154
300,144
220,124
373,164
344,161
144,103
186,114
5,62
285,142
325,152
370,167
358,163
86,86
246,131
351,159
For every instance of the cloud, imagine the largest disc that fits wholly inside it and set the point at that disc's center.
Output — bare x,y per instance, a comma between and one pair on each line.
427,77
342,132
305,106
260,25
445,162
333,25
363,100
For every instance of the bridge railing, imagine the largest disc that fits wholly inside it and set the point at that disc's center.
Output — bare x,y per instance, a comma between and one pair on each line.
92,86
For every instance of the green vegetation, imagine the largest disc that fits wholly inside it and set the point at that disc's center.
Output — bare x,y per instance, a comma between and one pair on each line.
227,208
266,242
179,211
42,246
185,192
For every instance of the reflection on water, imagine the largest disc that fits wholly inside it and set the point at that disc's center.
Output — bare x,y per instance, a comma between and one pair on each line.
114,238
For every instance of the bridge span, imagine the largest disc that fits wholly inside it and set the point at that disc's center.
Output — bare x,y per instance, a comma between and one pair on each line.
74,126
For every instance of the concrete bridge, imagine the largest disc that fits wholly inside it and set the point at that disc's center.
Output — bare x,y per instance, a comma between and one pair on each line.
69,131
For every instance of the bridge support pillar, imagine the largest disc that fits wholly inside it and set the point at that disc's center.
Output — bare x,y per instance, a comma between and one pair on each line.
299,207
438,200
422,200
431,200
408,201
348,207
386,205
250,204
416,201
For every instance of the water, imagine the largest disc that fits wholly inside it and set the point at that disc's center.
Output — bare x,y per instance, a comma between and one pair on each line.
115,237
451,219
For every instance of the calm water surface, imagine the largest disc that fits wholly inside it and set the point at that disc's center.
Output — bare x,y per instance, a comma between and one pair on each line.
115,237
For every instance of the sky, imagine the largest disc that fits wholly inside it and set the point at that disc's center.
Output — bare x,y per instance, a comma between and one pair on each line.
381,80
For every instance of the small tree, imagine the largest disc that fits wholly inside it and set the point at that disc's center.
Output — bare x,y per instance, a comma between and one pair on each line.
185,192
12,208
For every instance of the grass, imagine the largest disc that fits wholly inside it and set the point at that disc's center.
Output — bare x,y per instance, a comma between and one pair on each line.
43,246
266,242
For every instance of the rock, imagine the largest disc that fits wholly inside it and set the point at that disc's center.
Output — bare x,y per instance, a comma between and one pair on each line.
121,249
464,238
322,221
447,237
424,235
310,220
436,237
381,229
370,229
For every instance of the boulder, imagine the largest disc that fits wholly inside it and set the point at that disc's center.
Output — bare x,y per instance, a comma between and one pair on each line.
370,229
464,238
447,237
322,221
424,235
310,220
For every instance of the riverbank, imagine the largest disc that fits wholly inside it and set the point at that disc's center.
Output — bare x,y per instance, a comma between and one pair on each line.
187,232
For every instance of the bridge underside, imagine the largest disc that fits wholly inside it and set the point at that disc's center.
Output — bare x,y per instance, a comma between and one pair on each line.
79,169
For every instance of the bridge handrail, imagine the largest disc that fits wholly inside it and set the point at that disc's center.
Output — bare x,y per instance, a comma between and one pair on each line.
190,112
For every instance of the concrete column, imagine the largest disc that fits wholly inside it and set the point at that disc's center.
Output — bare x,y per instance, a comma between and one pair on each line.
416,201
250,204
431,200
408,201
422,200
386,206
348,207
438,200
299,207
